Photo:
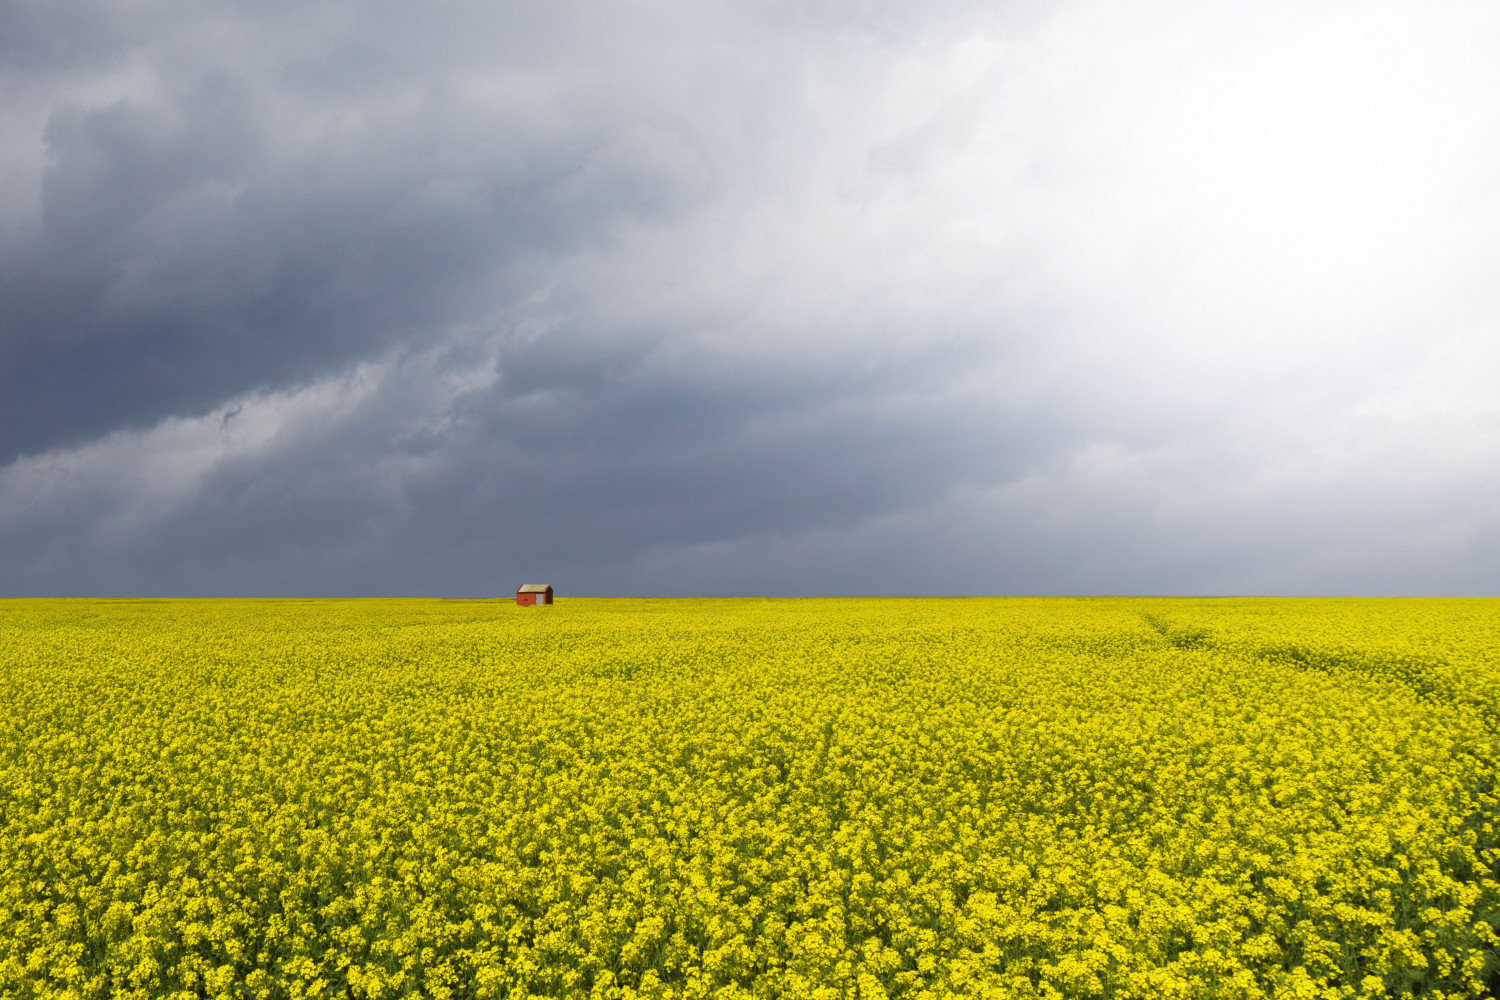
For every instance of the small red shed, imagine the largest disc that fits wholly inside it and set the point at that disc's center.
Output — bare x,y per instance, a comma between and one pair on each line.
534,593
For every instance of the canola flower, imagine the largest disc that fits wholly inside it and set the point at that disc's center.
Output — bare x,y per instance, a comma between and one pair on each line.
838,798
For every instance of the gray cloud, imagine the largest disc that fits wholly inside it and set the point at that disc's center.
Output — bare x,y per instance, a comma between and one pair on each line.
317,299
236,221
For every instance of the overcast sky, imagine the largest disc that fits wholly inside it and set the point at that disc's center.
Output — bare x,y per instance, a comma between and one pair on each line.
895,296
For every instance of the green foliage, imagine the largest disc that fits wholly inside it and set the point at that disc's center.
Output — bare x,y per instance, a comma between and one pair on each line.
1030,798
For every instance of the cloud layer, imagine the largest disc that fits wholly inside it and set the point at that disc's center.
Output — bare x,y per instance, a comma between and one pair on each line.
333,299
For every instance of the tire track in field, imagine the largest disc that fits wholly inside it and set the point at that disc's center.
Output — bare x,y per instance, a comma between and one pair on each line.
1424,676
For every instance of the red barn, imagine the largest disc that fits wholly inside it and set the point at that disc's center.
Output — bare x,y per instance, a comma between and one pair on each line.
534,593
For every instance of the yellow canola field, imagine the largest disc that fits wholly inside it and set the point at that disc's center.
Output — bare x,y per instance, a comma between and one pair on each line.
837,798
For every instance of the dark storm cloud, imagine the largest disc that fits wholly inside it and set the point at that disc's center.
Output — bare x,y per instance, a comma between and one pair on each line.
557,467
211,239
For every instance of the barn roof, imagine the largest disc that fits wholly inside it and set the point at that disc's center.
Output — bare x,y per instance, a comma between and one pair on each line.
533,588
